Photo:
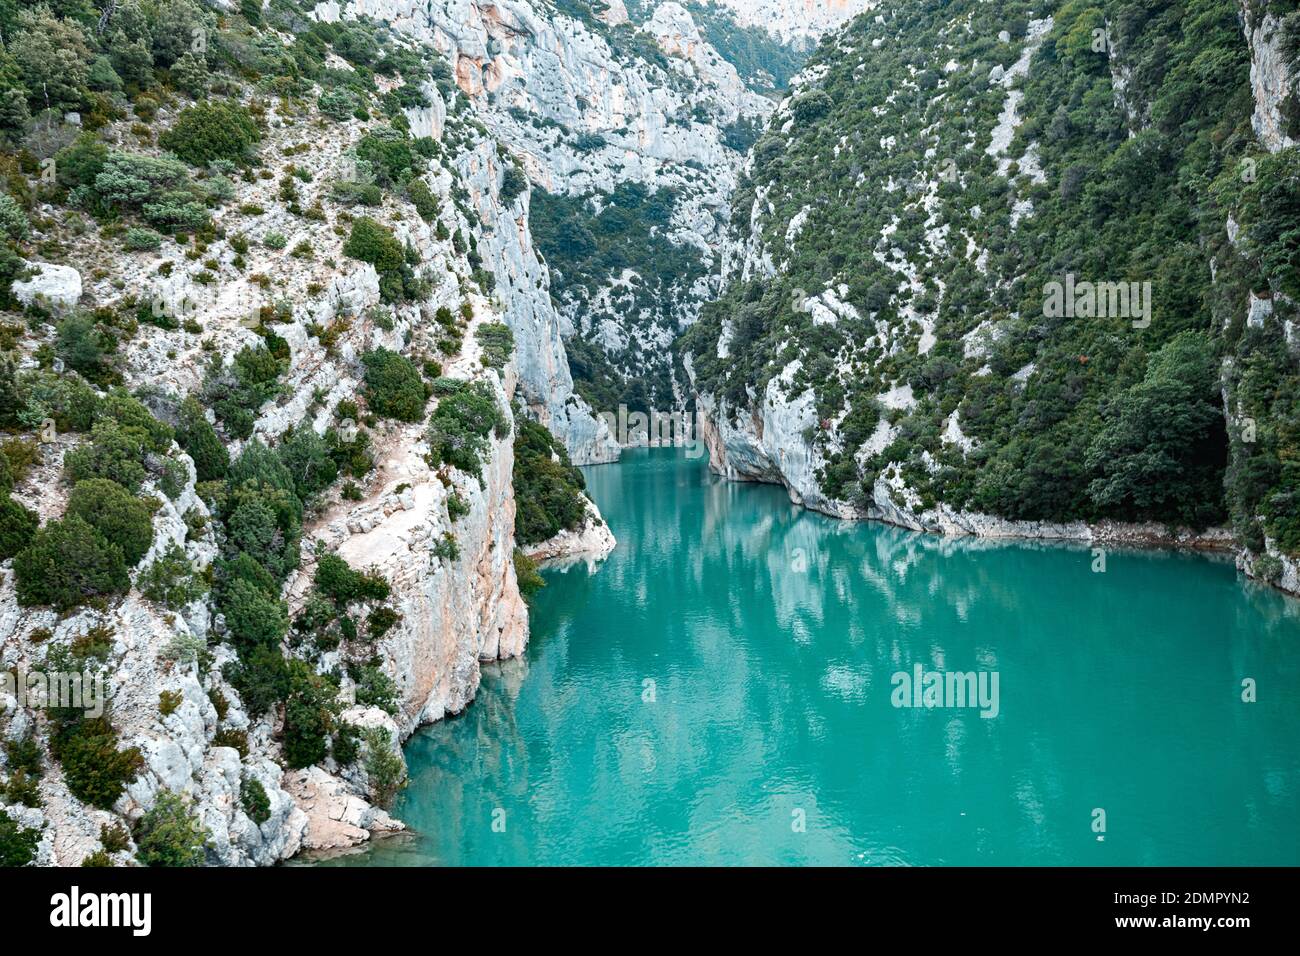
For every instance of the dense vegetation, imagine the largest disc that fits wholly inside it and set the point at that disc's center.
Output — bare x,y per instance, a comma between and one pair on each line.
548,489
178,109
945,251
621,238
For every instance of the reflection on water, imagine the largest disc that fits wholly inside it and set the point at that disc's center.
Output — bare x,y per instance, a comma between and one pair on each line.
718,691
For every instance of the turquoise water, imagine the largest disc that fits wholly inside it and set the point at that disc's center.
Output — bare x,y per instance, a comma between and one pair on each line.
768,735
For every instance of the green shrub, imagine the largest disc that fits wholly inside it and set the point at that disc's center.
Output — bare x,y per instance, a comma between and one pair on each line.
513,183
17,843
170,834
112,511
95,771
307,458
253,618
235,739
385,770
170,580
253,798
381,621
372,242
337,580
447,548
114,453
548,489
114,838
168,701
338,104
261,677
201,443
17,526
310,714
530,582
67,564
425,202
498,343
82,346
376,689
394,387
459,427
210,131
457,506
141,240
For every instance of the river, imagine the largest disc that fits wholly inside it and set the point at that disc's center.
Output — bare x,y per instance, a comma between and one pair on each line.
722,690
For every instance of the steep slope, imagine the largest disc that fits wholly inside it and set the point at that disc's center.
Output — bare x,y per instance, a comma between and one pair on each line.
987,275
267,313
633,133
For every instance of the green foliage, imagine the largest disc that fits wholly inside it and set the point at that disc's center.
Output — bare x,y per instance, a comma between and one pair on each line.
1162,448
513,183
116,514
168,701
261,677
95,771
548,489
67,564
426,204
17,526
388,153
307,457
253,618
372,242
170,580
530,582
385,769
82,346
498,343
310,715
234,392
170,834
201,442
394,387
337,580
141,240
113,453
255,802
459,427
376,689
212,130
17,843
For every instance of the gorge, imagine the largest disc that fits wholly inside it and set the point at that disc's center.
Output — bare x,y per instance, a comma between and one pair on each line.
311,310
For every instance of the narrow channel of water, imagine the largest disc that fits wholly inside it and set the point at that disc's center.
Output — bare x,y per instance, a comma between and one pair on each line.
719,691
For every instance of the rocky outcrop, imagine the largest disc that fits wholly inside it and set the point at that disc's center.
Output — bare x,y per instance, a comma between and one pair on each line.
585,105
55,287
591,542
796,23
1272,79
456,610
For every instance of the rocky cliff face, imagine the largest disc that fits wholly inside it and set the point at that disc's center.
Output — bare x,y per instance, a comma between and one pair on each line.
455,606
799,23
839,359
587,100
490,47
